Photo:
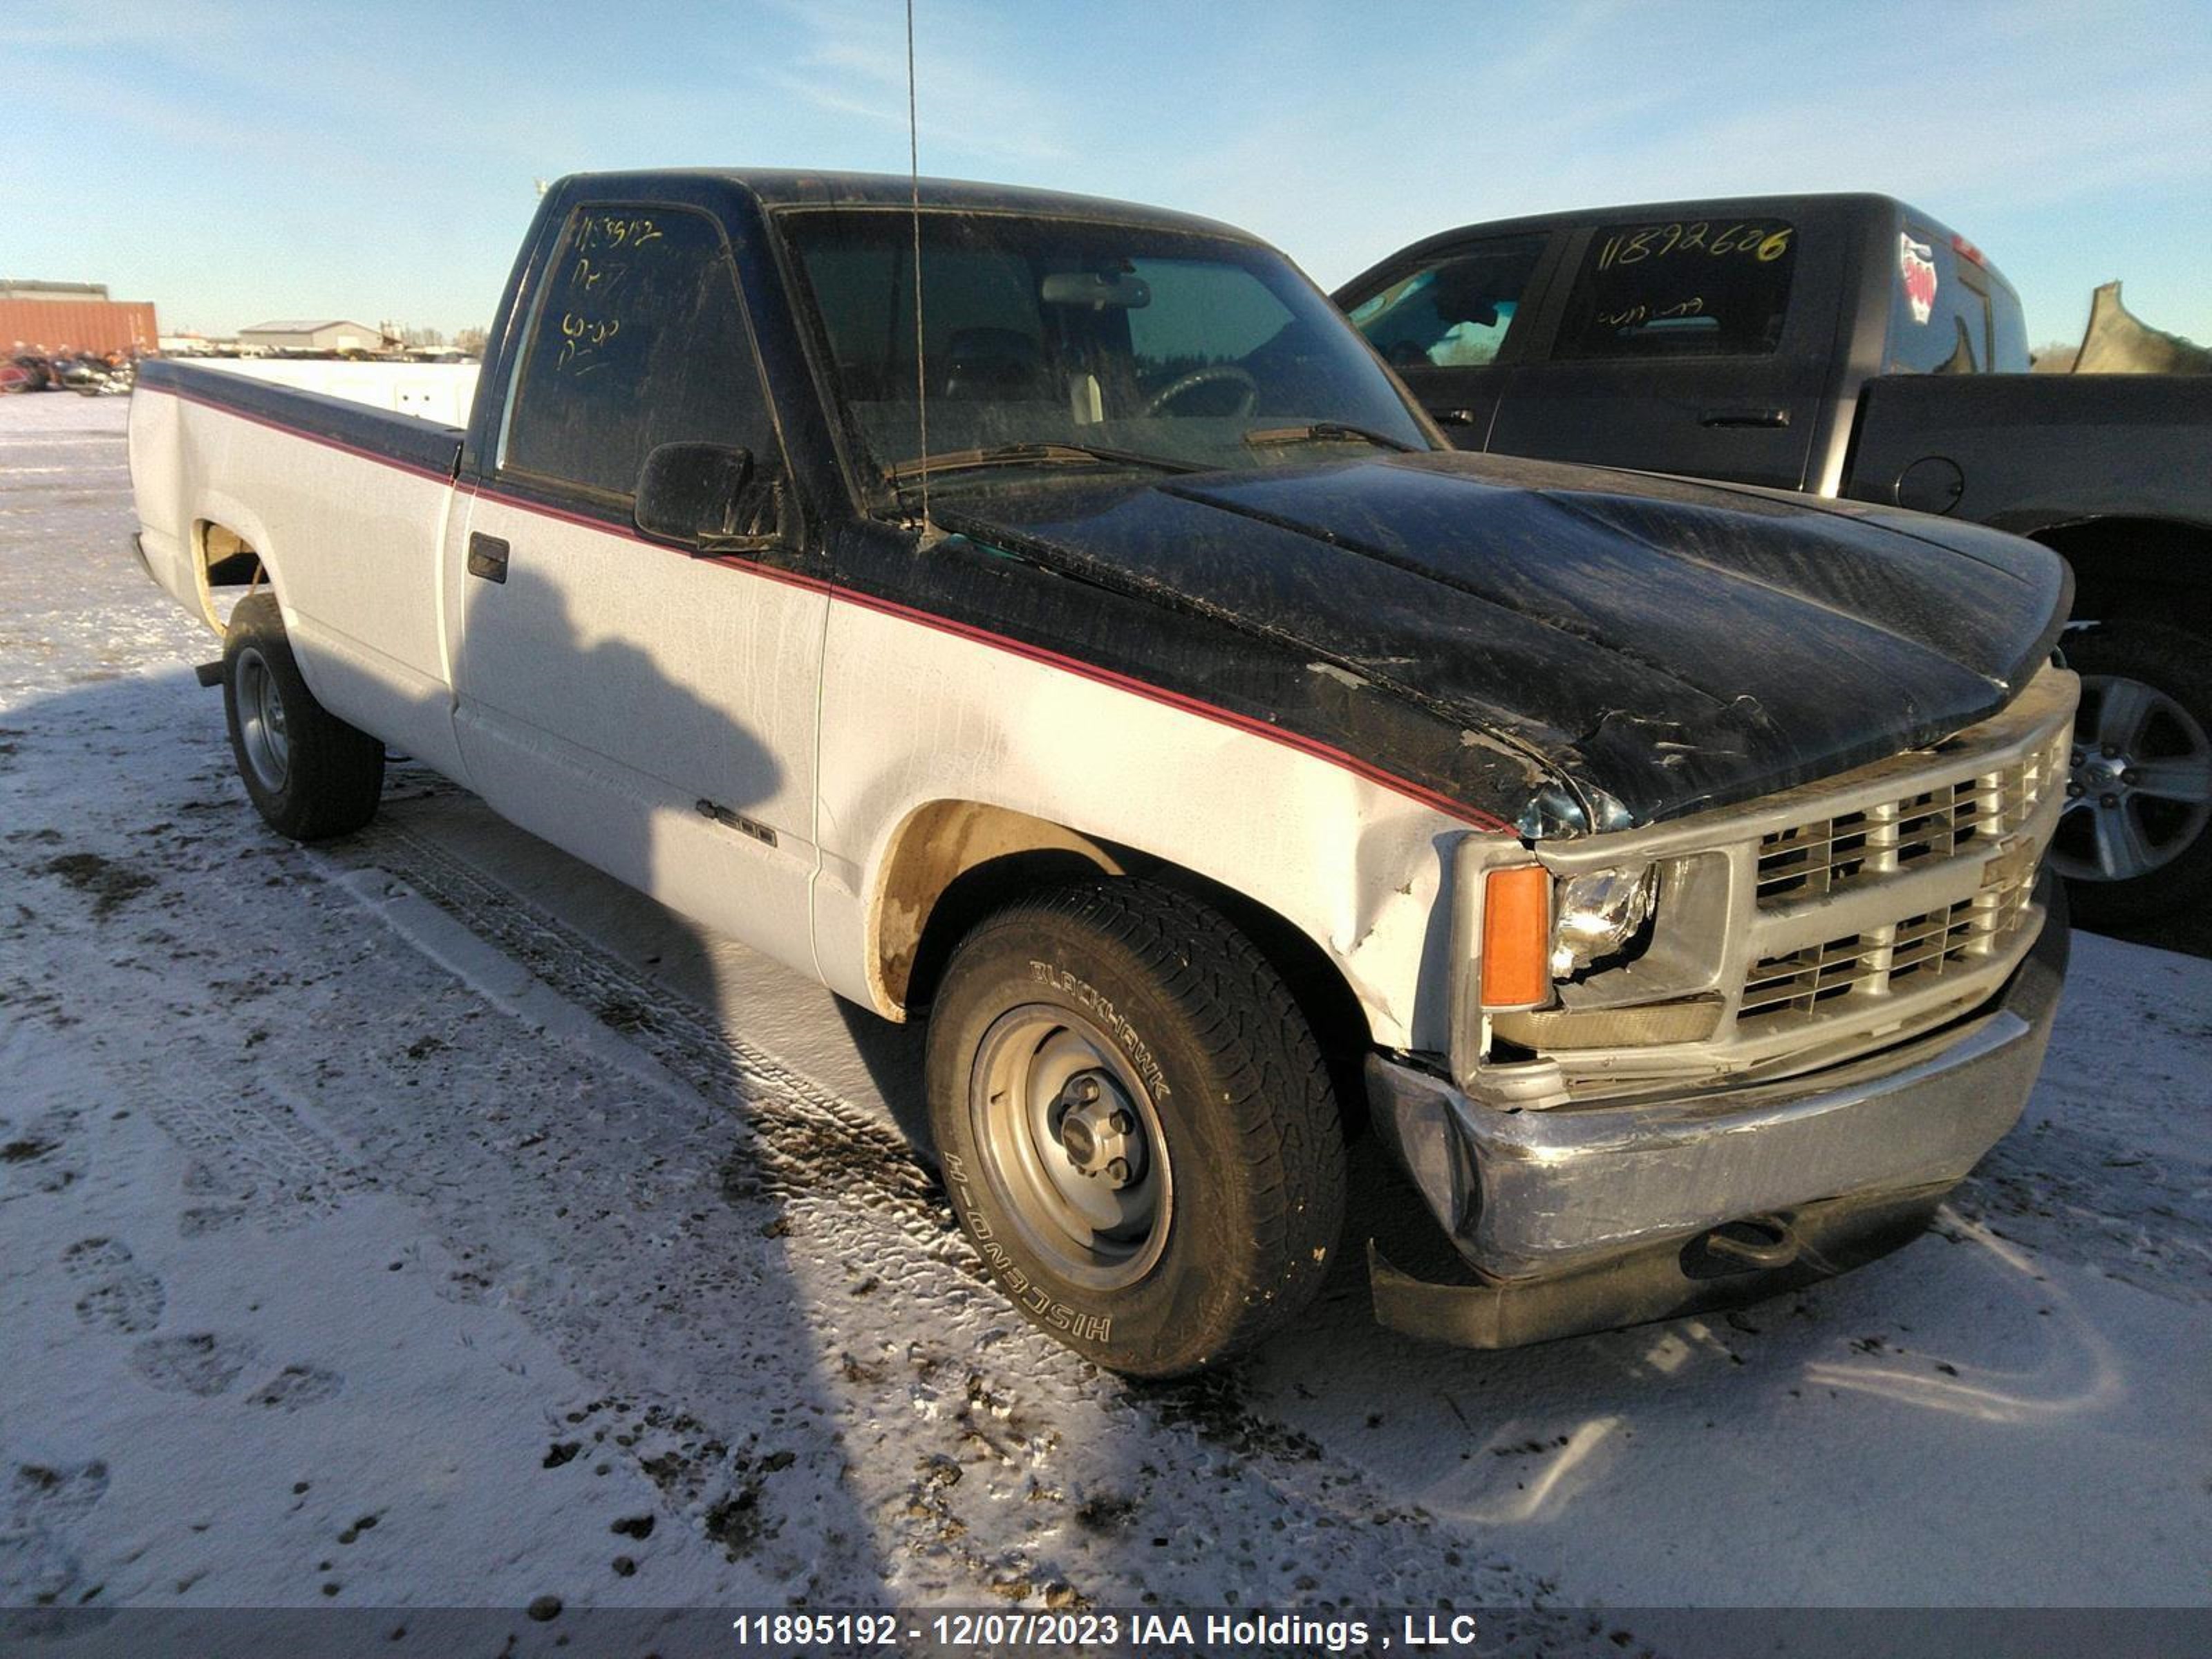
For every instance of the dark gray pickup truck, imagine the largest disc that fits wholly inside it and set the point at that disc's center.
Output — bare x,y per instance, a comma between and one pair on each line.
1851,346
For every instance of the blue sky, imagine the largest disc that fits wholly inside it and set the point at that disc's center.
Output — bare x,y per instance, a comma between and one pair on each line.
238,159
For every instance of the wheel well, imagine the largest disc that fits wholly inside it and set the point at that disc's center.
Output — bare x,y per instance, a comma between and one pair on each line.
223,562
2152,569
227,557
955,862
949,863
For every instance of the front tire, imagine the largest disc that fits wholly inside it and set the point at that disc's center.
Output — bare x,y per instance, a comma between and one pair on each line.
2136,838
310,774
1136,1126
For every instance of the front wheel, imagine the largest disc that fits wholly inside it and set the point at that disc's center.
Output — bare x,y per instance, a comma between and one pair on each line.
1136,1126
2133,842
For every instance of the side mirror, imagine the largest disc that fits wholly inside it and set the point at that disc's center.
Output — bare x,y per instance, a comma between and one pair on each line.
706,496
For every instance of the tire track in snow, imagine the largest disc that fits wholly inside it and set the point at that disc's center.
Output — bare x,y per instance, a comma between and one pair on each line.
258,1156
818,1135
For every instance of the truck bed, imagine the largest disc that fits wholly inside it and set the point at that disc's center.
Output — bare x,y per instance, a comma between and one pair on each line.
340,507
337,412
2032,451
438,393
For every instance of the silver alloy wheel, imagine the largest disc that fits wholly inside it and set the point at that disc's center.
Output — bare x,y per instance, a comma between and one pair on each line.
1071,1145
261,721
2139,792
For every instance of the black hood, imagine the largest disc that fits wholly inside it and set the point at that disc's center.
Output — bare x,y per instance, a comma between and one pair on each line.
1668,645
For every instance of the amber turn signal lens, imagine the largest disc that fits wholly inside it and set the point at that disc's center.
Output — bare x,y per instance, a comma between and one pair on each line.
1516,937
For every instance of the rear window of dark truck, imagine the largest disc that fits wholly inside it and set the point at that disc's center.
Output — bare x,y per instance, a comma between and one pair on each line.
1697,288
1948,314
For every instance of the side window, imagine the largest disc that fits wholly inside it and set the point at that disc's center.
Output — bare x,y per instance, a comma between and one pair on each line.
1939,315
638,339
1456,312
1717,288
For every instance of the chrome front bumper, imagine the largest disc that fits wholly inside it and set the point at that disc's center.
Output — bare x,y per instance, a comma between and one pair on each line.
1582,1218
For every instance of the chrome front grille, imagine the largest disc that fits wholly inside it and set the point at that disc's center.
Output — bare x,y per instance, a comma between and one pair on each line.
1809,926
1825,854
1806,985
1983,815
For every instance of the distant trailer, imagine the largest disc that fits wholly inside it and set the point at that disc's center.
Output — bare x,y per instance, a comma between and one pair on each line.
50,324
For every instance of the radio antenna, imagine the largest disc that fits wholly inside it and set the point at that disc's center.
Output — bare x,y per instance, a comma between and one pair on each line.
914,178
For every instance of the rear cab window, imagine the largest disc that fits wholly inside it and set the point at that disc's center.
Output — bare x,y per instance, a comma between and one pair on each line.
1940,308
2009,352
637,338
1698,288
1456,311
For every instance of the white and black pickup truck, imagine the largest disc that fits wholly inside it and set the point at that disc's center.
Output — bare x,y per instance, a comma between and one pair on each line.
1140,686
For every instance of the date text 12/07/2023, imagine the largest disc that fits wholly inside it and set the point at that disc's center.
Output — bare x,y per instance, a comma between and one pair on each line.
1211,1631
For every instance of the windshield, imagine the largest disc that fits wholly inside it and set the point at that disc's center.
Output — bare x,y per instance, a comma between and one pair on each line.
1119,346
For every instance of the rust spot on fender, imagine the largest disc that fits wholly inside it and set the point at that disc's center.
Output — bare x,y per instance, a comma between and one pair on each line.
935,846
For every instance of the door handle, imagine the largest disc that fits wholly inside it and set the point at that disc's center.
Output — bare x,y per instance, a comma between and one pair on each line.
1744,417
1453,417
487,557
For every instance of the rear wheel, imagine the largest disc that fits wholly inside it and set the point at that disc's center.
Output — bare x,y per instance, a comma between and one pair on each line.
2133,842
1136,1126
310,774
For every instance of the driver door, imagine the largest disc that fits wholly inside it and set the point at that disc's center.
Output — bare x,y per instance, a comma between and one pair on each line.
648,708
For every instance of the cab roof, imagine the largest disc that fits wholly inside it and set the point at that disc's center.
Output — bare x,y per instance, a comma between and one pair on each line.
1863,207
780,188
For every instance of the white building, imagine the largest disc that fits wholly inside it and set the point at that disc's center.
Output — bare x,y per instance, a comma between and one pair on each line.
302,336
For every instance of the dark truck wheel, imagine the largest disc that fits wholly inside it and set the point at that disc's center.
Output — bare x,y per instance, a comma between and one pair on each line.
1135,1125
312,775
2133,843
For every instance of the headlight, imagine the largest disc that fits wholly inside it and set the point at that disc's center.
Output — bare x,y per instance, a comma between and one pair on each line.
1594,916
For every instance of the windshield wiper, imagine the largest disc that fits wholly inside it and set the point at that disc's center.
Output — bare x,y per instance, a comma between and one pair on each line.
1032,454
1328,432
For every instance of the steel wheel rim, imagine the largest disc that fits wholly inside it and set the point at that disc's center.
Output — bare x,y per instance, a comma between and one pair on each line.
1045,1149
261,721
2139,792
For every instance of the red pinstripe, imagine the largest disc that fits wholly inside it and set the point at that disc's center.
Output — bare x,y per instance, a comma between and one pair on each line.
1310,746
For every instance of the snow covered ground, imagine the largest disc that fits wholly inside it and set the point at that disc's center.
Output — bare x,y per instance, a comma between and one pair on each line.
427,1222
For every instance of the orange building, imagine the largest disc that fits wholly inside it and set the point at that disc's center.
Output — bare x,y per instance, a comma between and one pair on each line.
45,317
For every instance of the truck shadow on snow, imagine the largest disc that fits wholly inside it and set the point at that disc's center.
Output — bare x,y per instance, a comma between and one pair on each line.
600,1186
